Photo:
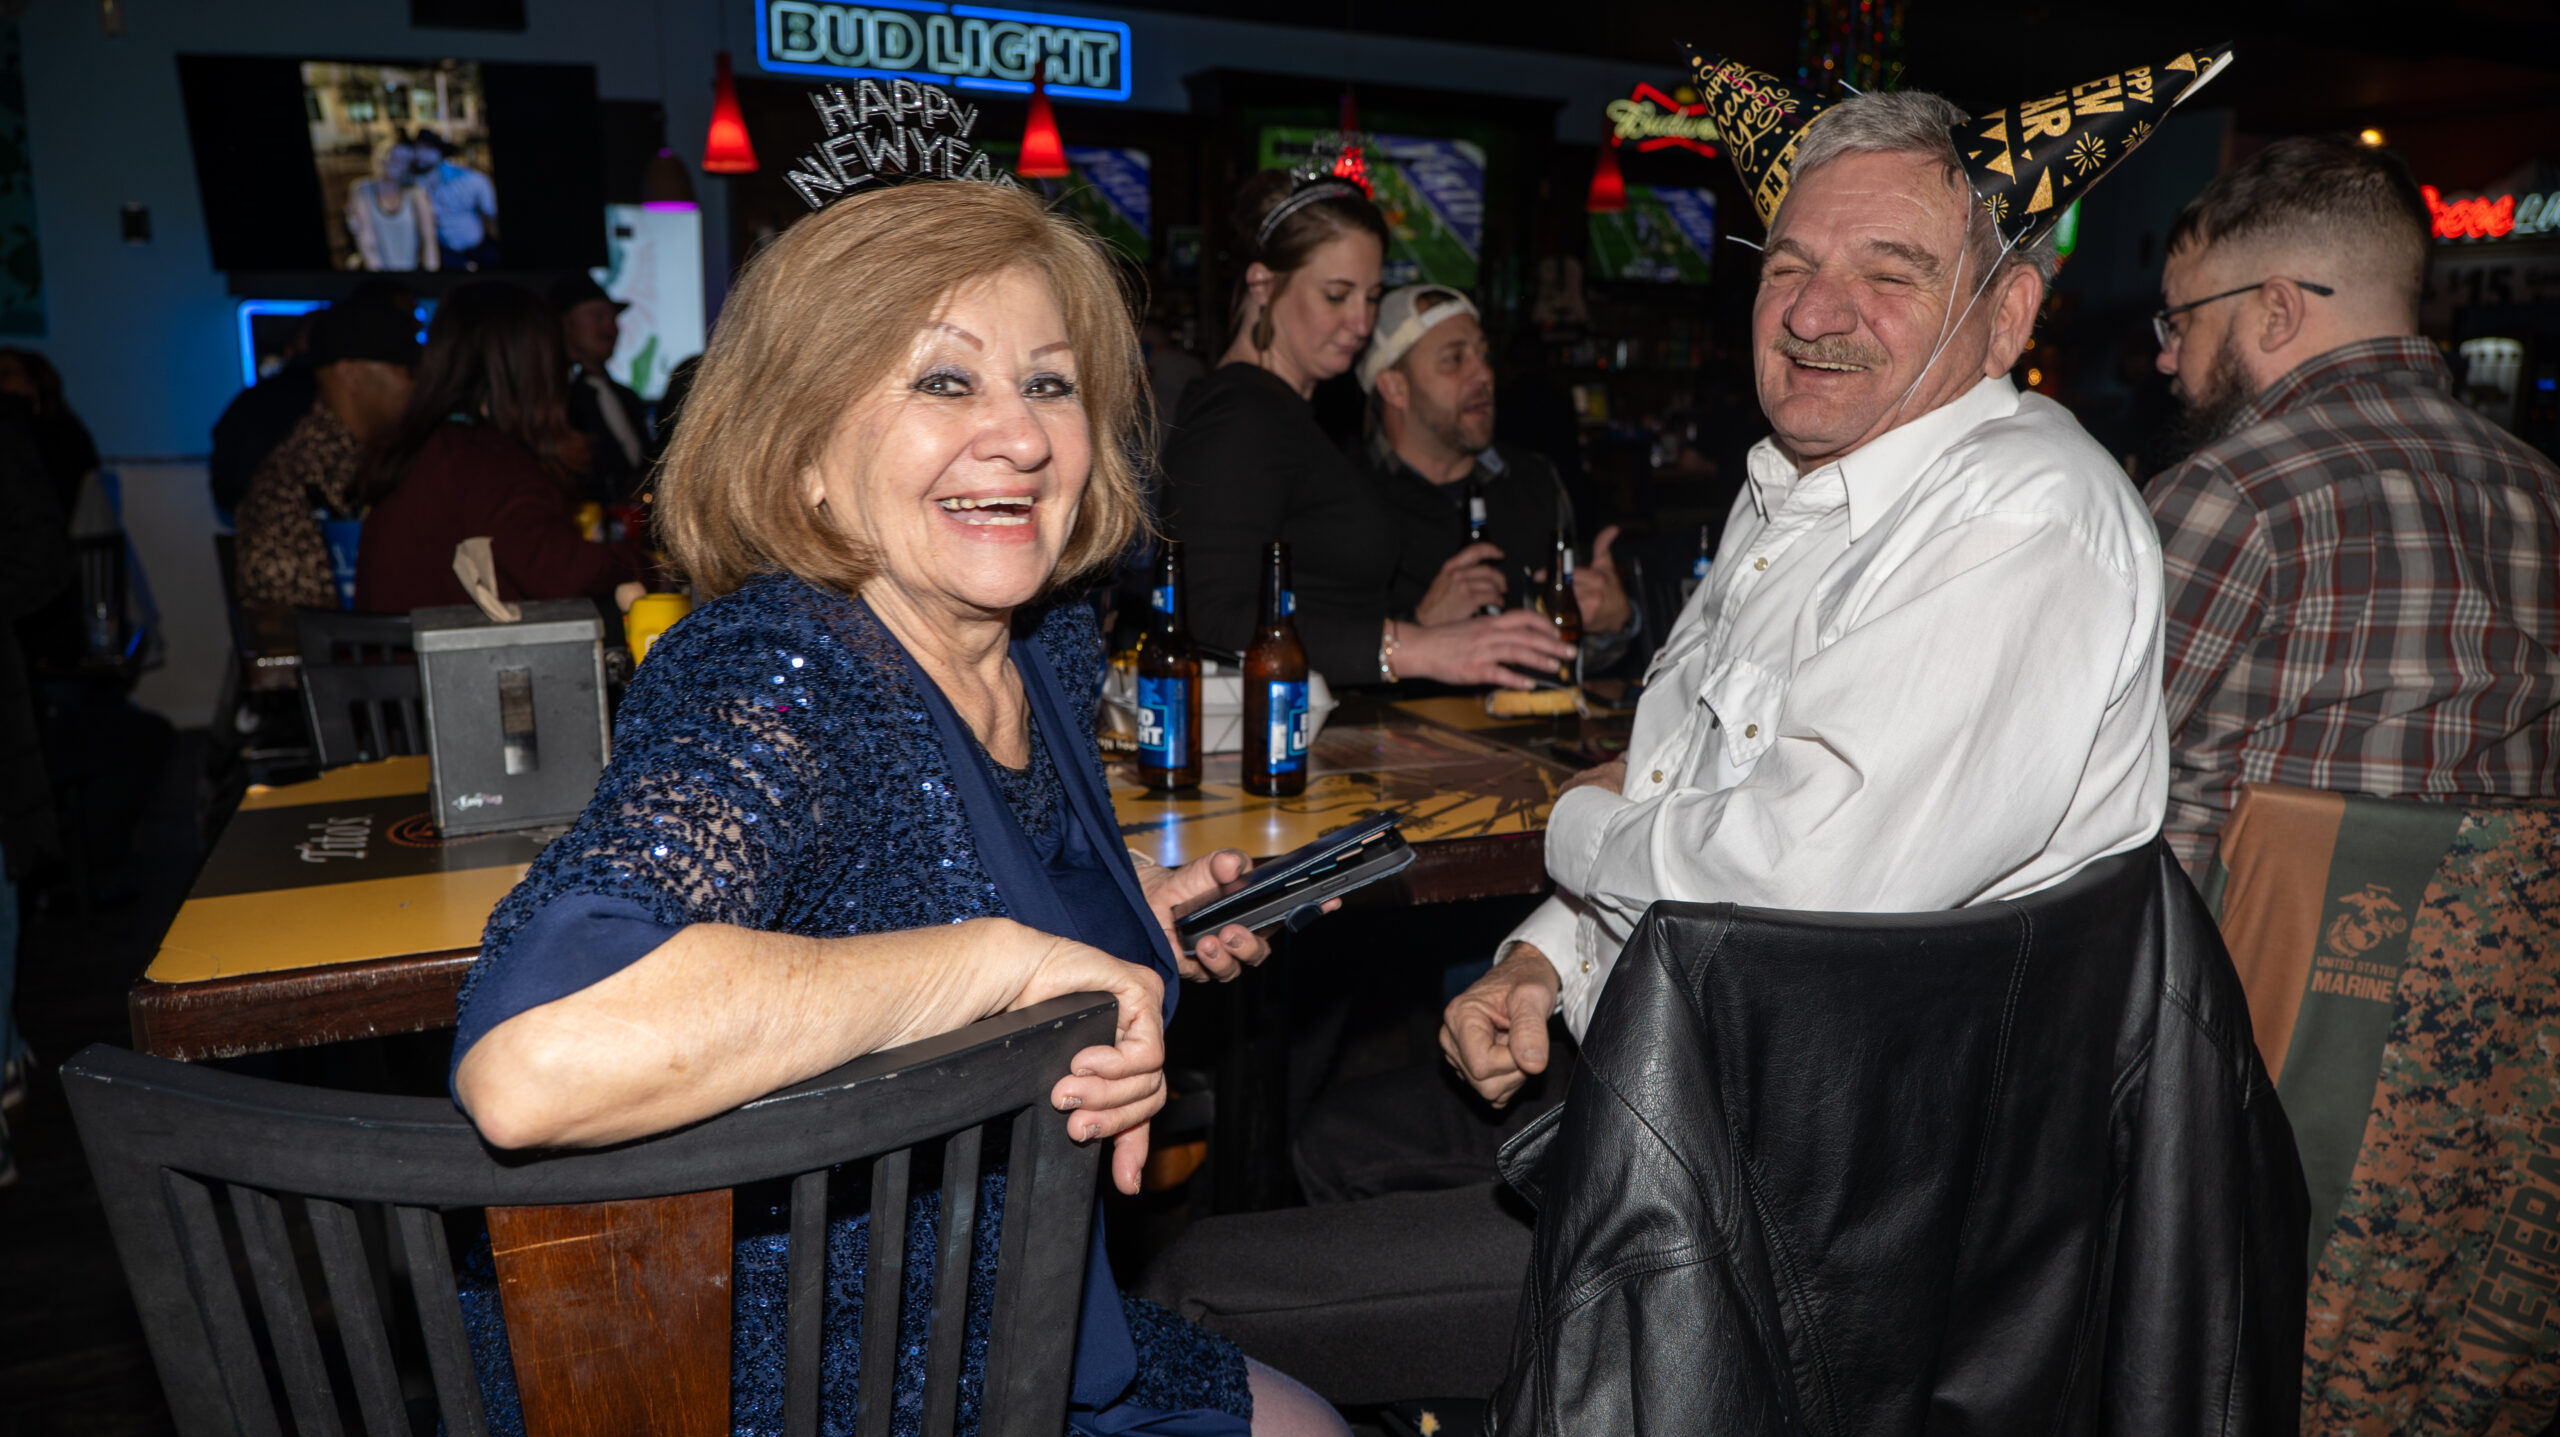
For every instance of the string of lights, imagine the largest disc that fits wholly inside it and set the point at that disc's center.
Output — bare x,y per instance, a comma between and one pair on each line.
1857,43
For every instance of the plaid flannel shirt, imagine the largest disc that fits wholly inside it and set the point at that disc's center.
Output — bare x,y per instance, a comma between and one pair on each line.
2363,595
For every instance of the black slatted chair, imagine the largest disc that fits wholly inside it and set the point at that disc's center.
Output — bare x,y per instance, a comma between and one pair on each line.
218,1185
334,636
359,685
362,712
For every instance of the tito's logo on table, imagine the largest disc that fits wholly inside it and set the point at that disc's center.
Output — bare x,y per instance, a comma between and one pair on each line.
336,838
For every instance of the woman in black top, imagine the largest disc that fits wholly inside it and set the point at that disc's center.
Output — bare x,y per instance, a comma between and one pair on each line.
1246,462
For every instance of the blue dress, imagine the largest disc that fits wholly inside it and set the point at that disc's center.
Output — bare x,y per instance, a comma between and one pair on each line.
781,764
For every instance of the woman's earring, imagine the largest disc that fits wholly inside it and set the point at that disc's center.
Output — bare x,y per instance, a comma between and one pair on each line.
1262,328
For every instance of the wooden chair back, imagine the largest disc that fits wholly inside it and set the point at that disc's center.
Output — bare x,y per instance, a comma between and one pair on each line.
332,1217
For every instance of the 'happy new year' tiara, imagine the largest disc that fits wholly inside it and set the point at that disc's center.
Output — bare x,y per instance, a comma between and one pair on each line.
908,132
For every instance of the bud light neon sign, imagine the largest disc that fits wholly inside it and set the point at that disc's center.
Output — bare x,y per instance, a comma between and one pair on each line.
967,47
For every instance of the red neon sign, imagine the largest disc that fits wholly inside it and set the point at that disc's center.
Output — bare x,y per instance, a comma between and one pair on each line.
1655,121
2477,218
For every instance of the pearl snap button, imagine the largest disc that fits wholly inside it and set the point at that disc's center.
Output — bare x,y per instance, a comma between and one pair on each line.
1657,775
1751,730
1760,563
1586,965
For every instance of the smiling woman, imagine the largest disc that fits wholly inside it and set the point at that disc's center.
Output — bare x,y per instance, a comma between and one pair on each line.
847,807
802,340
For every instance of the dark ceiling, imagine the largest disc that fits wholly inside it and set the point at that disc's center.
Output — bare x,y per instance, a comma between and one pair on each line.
2467,89
2304,62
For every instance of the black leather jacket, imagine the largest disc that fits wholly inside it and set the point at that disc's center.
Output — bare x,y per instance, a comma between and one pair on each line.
2008,1169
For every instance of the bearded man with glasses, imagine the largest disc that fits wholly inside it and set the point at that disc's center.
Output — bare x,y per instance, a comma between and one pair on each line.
2363,574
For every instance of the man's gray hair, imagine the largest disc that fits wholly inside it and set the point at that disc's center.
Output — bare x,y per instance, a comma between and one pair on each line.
1914,122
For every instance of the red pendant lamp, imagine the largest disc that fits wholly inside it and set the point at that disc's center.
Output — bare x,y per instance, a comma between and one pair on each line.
1608,187
726,151
1043,157
1352,161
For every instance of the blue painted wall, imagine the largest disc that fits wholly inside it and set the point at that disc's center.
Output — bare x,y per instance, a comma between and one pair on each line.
143,333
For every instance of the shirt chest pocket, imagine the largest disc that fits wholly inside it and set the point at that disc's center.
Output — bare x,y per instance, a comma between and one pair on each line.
1744,699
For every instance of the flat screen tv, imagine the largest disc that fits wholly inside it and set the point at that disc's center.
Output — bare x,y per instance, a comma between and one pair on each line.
404,166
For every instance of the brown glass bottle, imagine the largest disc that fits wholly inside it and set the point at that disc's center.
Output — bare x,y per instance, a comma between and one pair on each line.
1169,684
1275,689
1562,609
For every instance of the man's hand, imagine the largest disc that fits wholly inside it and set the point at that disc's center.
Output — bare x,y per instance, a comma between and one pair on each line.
1495,1033
1222,955
1599,591
1611,776
1494,649
1470,580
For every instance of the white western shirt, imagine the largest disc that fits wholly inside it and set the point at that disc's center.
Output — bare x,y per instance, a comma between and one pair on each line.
1923,676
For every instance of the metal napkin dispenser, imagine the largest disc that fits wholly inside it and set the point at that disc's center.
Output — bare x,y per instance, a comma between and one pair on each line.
516,726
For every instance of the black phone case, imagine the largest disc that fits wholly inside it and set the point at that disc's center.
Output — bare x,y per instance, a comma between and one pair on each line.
1257,905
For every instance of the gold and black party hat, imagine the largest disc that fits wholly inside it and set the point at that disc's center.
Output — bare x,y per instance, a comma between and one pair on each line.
1760,118
2029,161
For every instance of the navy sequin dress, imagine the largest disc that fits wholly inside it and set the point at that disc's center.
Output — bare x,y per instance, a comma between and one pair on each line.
780,765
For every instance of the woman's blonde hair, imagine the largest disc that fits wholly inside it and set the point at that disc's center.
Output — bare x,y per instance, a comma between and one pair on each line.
824,314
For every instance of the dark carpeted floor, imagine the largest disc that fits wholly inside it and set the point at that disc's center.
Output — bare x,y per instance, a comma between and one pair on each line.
71,1352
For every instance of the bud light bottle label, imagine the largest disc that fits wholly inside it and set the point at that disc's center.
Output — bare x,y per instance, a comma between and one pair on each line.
1163,598
1697,579
1287,739
1288,602
1164,722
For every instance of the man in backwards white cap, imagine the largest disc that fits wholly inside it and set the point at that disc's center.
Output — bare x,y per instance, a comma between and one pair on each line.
1431,444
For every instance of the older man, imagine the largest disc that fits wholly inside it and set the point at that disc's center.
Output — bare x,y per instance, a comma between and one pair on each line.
1925,674
2363,574
603,408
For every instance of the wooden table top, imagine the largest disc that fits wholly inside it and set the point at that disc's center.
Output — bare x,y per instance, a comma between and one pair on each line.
332,909
1446,782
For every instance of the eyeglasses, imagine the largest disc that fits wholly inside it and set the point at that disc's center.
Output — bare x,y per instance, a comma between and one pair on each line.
2167,334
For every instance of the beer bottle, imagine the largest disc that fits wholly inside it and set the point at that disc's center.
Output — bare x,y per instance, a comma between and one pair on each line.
1562,609
1169,684
1275,689
1476,521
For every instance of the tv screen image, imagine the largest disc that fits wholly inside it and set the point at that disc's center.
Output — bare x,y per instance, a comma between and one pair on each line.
300,165
403,158
656,273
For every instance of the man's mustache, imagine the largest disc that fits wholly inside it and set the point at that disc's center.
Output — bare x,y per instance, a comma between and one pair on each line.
1830,349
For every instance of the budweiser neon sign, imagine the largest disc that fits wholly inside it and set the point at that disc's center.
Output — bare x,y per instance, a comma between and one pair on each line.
1655,121
2479,217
